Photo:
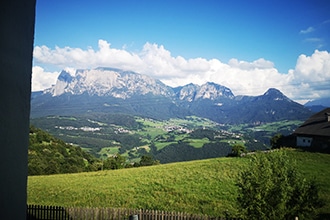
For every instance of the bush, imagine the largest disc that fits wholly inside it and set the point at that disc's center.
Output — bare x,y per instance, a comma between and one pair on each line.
147,160
275,141
272,188
237,150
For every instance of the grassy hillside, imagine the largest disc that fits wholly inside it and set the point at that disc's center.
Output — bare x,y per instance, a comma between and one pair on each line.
204,186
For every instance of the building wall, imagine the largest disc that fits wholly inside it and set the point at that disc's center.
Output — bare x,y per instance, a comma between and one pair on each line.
304,141
16,45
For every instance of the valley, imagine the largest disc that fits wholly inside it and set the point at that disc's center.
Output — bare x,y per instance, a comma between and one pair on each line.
172,140
108,111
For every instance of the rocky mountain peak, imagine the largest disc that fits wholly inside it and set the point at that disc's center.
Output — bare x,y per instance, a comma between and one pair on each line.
108,82
213,91
104,81
65,77
209,90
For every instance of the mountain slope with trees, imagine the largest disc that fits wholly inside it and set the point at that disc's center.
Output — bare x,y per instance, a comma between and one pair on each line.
50,155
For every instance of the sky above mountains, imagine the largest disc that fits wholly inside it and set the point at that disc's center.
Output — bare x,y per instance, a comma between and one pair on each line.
248,46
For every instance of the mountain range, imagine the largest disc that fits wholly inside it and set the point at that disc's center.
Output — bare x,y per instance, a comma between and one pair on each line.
318,104
110,90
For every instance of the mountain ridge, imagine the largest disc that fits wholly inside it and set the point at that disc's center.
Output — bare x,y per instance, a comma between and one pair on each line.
112,90
318,104
107,81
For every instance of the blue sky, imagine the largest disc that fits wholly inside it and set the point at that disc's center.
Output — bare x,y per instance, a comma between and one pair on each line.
275,31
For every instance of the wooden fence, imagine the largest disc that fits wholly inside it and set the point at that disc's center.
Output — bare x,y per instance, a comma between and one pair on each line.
39,212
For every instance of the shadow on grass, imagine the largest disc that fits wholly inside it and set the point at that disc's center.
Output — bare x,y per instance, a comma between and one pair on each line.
323,216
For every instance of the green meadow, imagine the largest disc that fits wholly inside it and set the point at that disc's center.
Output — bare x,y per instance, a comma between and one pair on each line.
201,187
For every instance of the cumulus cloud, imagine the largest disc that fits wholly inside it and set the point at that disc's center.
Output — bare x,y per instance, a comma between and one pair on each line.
89,58
310,78
42,79
257,64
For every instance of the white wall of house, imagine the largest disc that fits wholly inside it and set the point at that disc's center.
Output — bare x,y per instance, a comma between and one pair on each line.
304,141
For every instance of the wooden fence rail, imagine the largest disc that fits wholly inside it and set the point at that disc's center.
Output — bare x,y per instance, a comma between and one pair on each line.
39,212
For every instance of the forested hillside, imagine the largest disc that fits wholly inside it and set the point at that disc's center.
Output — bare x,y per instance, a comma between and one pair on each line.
50,155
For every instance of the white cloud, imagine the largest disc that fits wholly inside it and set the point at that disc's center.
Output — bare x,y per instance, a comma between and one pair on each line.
315,67
42,79
310,78
316,35
308,30
79,58
257,64
317,42
313,39
158,62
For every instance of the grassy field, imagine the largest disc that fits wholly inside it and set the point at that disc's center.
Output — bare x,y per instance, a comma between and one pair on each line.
203,187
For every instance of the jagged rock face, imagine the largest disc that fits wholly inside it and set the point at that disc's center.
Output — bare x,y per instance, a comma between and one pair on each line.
124,84
212,91
187,92
108,82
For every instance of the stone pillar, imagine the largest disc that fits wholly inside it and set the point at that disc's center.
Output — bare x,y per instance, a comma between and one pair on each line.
17,19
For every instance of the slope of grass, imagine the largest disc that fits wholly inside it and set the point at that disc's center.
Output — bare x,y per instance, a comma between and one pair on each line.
316,166
204,186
